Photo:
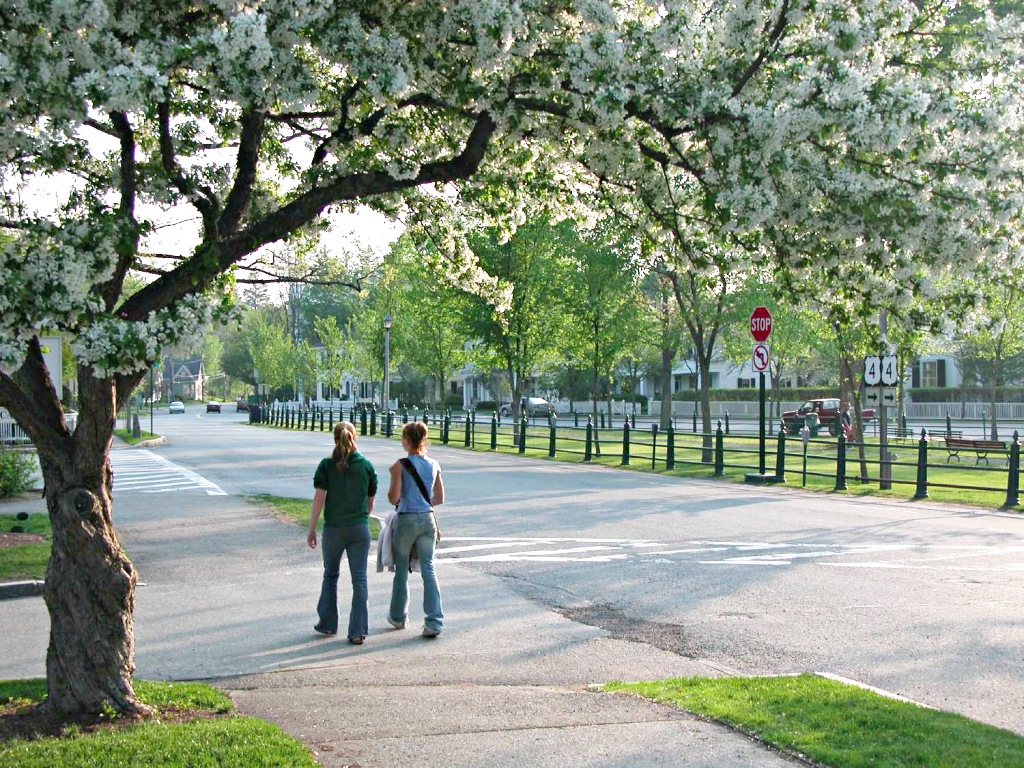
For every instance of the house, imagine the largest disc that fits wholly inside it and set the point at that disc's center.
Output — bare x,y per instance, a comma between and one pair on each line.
184,379
935,371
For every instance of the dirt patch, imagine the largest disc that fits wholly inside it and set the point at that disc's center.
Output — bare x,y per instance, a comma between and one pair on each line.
17,539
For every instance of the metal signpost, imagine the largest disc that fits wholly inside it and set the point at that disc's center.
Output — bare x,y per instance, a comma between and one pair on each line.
761,329
880,378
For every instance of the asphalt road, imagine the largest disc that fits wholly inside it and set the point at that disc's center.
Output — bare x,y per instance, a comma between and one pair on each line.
916,598
921,599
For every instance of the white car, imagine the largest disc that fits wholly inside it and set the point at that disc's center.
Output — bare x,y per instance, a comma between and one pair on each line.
176,407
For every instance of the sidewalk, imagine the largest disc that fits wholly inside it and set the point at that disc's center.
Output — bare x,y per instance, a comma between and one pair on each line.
228,594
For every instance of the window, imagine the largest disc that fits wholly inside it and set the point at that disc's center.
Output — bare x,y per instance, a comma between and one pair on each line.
930,373
742,383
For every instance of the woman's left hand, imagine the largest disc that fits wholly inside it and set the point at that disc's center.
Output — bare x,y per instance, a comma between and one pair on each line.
311,539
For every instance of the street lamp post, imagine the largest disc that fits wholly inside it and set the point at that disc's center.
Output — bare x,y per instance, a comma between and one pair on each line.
387,362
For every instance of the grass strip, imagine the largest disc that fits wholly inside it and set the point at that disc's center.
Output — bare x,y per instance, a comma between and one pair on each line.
298,510
126,435
211,738
836,724
25,561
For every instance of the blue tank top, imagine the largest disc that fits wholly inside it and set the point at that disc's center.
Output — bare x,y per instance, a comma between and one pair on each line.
412,501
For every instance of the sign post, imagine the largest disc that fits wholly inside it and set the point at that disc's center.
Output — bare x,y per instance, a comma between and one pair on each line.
761,329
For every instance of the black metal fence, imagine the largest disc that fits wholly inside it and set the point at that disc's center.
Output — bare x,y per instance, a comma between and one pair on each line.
836,459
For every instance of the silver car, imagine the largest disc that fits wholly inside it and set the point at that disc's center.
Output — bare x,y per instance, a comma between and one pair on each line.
535,406
176,407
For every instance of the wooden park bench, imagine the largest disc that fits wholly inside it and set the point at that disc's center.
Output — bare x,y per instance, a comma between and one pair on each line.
981,448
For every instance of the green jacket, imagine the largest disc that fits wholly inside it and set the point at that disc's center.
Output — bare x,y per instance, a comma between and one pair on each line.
347,491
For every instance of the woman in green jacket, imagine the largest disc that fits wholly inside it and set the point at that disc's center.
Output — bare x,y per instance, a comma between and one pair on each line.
345,484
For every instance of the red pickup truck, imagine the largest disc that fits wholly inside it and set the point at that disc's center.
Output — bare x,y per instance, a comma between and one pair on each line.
826,410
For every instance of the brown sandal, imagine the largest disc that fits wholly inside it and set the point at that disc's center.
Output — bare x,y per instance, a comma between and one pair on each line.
356,640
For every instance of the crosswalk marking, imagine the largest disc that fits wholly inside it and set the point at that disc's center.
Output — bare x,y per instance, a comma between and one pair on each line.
493,549
145,472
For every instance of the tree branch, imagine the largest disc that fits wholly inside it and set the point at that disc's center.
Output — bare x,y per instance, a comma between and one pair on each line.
213,257
245,176
201,197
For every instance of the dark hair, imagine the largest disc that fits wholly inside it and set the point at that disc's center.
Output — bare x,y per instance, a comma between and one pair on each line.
416,433
344,443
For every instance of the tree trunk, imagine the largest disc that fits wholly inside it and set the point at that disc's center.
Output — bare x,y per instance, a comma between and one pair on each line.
90,582
666,387
90,596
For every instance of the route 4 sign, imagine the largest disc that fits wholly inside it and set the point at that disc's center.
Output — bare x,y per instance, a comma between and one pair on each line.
880,371
762,357
872,371
889,372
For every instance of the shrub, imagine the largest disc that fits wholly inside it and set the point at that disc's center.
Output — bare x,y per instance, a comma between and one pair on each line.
16,472
486,405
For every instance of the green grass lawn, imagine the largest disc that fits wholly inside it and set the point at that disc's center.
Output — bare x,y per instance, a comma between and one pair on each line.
25,561
741,458
192,726
838,725
298,509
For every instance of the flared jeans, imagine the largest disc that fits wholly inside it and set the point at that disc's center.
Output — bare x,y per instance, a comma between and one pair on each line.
415,531
353,541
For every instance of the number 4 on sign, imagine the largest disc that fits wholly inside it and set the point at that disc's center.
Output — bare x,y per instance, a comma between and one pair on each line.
888,373
872,371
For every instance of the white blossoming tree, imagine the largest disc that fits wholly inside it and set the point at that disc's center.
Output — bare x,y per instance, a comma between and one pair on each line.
866,119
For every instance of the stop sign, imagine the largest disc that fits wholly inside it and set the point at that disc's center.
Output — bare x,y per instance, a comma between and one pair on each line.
761,324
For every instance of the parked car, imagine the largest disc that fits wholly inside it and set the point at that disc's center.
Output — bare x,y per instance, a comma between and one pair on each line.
825,409
176,406
213,407
241,406
535,406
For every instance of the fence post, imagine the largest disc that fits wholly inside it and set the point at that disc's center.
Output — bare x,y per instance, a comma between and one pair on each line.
727,422
632,421
576,419
494,431
352,413
1013,479
312,420
321,419
601,414
903,422
841,464
625,444
654,442
467,437
362,421
719,450
922,467
780,457
522,434
553,436
445,427
695,419
984,426
588,451
949,425
472,421
670,447
389,423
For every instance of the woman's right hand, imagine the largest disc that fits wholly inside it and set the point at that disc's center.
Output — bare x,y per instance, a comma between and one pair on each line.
311,539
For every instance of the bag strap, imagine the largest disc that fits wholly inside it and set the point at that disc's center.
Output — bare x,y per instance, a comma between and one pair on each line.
416,476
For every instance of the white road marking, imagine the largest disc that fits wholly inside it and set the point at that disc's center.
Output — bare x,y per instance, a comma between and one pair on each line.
496,549
143,471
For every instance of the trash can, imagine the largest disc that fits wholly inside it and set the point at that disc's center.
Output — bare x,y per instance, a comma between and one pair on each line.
254,414
813,423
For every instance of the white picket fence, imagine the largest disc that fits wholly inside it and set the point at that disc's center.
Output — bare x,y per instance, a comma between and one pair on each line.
11,432
919,411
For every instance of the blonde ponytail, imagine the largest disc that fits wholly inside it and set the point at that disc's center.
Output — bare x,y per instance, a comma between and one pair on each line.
344,443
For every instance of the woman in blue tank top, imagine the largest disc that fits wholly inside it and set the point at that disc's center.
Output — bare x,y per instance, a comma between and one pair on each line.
415,497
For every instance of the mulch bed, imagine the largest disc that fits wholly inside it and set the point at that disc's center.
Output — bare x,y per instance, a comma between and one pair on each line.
30,721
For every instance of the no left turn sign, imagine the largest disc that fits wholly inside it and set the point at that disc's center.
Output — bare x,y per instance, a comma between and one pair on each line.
762,357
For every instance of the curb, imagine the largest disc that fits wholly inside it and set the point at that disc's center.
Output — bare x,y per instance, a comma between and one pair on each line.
150,443
16,589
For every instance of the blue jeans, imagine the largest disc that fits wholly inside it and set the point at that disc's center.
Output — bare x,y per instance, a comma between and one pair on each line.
354,541
415,530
